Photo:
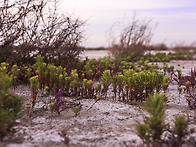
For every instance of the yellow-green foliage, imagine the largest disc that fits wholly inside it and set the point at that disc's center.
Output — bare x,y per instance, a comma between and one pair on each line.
59,70
171,68
85,83
76,110
41,70
74,84
15,71
4,68
74,75
143,130
165,67
52,106
5,83
181,126
52,74
89,84
10,106
180,90
114,84
127,74
34,82
154,123
187,85
120,80
159,82
34,86
166,79
156,106
67,81
61,80
98,88
165,82
124,64
143,83
106,77
28,72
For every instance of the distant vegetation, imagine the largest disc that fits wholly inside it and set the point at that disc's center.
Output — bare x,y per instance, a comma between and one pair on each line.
35,27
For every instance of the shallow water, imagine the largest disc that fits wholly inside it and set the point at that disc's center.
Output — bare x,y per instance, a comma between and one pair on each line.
104,53
94,54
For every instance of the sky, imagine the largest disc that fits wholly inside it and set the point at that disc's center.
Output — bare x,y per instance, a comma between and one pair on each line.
173,21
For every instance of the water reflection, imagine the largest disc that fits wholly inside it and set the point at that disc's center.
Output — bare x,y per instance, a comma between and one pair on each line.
94,54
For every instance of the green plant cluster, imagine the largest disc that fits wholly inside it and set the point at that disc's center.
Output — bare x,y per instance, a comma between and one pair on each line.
95,79
11,105
90,78
130,84
151,132
159,57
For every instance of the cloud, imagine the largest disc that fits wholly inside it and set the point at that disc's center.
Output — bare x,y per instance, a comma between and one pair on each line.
82,5
174,17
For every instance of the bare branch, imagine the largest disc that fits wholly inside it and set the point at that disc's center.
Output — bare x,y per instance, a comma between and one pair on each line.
133,39
29,26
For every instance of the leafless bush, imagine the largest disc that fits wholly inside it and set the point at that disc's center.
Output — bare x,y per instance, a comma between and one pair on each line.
158,47
133,39
32,27
182,46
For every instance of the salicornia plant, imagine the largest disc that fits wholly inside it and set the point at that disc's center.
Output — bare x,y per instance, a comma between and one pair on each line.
52,75
67,85
159,82
98,89
34,83
114,85
120,79
153,127
181,126
15,71
11,106
106,77
41,67
90,88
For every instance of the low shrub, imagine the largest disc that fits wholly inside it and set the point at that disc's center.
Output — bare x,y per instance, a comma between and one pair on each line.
153,127
11,106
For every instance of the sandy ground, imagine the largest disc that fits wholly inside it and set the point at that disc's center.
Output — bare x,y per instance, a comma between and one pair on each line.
108,123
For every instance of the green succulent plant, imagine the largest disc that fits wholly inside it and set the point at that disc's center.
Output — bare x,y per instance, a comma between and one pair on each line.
120,80
98,88
67,84
15,71
181,126
74,86
114,84
41,68
74,75
180,90
187,86
11,106
159,81
29,73
106,79
34,83
76,110
153,127
52,107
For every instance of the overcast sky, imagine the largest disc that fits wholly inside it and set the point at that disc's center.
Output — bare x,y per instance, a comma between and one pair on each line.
175,19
